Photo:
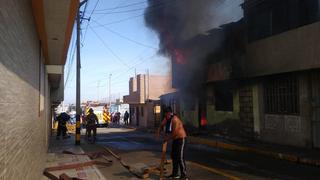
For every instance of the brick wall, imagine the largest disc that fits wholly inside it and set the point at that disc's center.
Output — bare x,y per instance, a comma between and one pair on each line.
24,100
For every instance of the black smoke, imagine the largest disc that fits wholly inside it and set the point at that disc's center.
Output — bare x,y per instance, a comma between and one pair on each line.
183,30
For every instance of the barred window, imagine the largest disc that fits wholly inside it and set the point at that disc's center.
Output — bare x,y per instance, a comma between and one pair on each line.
281,96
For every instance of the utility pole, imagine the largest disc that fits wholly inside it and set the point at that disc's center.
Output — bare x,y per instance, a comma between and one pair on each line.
145,87
78,108
148,84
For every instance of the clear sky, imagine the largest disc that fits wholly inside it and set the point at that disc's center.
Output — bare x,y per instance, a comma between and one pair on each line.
115,42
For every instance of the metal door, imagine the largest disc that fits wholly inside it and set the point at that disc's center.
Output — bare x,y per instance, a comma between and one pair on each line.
315,98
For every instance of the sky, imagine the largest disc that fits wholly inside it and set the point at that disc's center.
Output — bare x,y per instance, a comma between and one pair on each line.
115,41
116,45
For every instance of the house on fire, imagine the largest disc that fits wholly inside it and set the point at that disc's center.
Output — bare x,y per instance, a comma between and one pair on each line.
263,77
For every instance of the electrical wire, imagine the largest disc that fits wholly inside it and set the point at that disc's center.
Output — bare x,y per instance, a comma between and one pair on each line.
124,37
120,7
70,60
108,48
134,66
137,9
128,18
120,20
84,37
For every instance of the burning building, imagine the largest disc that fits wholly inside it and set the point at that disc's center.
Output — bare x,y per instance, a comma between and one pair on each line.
183,27
257,78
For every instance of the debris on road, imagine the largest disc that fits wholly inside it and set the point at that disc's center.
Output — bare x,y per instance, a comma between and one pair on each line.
72,162
138,170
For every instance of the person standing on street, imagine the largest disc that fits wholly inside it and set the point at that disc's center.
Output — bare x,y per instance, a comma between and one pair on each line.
126,117
62,125
175,131
92,121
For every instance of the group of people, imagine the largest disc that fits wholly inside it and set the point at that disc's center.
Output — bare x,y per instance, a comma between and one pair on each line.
171,125
89,121
116,116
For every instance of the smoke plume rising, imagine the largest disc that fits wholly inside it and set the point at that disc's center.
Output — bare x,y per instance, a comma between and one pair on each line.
182,27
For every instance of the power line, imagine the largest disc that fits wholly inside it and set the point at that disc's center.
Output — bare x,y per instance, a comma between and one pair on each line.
137,9
134,66
117,12
120,7
115,72
71,60
124,37
126,19
108,48
130,68
120,20
85,33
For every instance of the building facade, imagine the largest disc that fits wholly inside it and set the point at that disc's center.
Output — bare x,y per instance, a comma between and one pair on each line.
283,65
262,81
34,36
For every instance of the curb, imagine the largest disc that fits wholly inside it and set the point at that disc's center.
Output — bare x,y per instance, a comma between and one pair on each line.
273,154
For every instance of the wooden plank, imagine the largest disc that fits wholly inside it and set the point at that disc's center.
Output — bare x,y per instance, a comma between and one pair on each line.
163,158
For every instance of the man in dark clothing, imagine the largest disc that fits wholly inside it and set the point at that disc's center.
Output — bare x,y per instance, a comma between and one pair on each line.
92,121
126,117
62,125
175,131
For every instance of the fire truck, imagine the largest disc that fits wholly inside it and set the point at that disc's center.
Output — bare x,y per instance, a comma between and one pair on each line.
103,120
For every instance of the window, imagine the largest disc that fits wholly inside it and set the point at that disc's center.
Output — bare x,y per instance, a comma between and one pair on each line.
281,96
223,98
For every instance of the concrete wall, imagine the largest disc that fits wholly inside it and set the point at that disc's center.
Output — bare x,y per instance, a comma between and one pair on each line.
292,130
138,115
214,116
147,87
150,108
293,50
158,85
147,119
24,94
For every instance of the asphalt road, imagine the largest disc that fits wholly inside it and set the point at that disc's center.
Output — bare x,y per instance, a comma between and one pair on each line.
141,149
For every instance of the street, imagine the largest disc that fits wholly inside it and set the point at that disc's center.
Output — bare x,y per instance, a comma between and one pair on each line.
140,149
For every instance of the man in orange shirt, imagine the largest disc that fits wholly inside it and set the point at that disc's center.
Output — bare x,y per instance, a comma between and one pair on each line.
174,131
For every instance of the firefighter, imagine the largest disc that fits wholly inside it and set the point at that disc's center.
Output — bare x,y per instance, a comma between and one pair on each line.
62,125
85,114
92,122
87,109
106,115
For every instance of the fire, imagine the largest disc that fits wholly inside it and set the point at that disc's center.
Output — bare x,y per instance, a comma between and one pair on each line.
203,120
179,57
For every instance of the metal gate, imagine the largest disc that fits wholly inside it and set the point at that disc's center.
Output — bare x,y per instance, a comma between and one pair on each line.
315,98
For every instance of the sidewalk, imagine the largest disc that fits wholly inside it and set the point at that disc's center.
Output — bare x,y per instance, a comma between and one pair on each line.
115,171
56,158
288,153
